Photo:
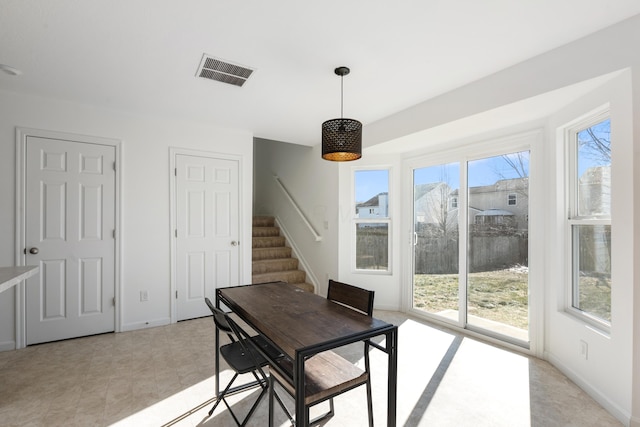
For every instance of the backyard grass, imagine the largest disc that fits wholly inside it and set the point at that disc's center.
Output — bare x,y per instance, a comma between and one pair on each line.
501,295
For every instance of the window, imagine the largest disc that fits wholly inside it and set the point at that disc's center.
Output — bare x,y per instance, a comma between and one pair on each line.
371,221
589,220
470,264
512,199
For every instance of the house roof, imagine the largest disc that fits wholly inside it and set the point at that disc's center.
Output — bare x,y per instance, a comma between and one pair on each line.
422,189
142,56
374,201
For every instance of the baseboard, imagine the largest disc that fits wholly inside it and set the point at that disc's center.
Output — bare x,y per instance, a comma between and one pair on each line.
611,407
634,422
145,324
7,345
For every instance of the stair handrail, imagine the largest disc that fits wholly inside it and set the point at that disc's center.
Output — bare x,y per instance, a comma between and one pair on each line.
316,235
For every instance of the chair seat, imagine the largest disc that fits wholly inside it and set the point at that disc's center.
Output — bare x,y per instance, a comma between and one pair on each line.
241,362
326,374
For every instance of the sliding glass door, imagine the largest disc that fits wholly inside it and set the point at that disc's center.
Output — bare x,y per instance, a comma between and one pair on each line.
436,265
470,243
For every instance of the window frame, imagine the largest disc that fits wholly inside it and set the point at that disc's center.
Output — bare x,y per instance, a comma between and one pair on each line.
514,198
454,202
355,221
574,220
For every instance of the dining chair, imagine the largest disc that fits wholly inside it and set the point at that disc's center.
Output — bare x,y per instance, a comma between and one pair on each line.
242,357
327,374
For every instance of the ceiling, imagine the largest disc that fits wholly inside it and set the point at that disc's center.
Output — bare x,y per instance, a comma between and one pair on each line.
142,56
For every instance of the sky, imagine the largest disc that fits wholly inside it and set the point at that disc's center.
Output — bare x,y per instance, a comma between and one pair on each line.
481,172
370,183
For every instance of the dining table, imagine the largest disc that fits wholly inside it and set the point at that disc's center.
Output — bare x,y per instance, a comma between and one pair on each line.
301,324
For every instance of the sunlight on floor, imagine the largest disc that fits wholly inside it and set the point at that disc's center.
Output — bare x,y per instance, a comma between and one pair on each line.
459,381
195,399
444,379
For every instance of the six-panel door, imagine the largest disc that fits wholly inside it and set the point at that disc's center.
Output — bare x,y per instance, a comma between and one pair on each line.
70,223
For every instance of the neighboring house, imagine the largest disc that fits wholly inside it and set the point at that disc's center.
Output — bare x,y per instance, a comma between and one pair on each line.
431,204
594,200
595,191
375,207
505,202
495,217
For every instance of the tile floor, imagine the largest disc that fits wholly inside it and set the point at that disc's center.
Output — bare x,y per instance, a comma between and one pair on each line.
164,376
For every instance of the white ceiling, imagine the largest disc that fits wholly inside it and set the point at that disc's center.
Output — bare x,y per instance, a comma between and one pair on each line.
142,55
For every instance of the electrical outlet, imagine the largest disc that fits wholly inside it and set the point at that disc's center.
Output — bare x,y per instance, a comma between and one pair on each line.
584,349
144,296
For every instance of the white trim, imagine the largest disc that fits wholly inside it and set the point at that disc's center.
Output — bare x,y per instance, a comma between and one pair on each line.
134,326
354,221
603,400
7,345
21,138
298,254
569,132
173,153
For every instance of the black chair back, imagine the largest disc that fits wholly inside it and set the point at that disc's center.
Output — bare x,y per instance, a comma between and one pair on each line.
351,296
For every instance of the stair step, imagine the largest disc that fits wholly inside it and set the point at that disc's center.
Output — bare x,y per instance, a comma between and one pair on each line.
291,276
267,242
263,221
272,261
272,265
265,231
270,253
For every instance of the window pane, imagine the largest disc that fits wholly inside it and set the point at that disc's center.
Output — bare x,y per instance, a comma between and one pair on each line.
498,259
372,246
592,270
435,201
372,193
594,170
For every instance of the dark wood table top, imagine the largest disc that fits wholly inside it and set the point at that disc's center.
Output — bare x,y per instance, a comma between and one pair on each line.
296,320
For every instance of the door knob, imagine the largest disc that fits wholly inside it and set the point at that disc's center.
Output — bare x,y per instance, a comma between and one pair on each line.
234,243
33,251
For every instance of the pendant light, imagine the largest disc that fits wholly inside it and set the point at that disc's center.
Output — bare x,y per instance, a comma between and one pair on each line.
341,138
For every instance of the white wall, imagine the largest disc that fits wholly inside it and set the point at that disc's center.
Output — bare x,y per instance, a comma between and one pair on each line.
606,373
145,193
313,183
612,373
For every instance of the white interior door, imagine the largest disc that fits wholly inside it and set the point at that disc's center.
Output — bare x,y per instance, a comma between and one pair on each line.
207,252
69,233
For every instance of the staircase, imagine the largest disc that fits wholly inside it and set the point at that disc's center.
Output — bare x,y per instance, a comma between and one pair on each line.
271,257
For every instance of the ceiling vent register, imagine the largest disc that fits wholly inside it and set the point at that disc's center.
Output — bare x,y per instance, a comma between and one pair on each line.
222,71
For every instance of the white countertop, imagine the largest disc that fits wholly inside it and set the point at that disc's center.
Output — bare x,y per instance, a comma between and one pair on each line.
11,276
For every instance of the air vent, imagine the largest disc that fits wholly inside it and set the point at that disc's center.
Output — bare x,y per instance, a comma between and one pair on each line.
222,71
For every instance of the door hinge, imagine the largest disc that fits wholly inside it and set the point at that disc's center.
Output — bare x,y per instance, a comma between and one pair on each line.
175,171
114,233
176,294
176,232
113,301
114,166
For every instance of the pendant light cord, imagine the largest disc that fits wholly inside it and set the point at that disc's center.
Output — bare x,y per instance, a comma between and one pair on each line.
341,97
